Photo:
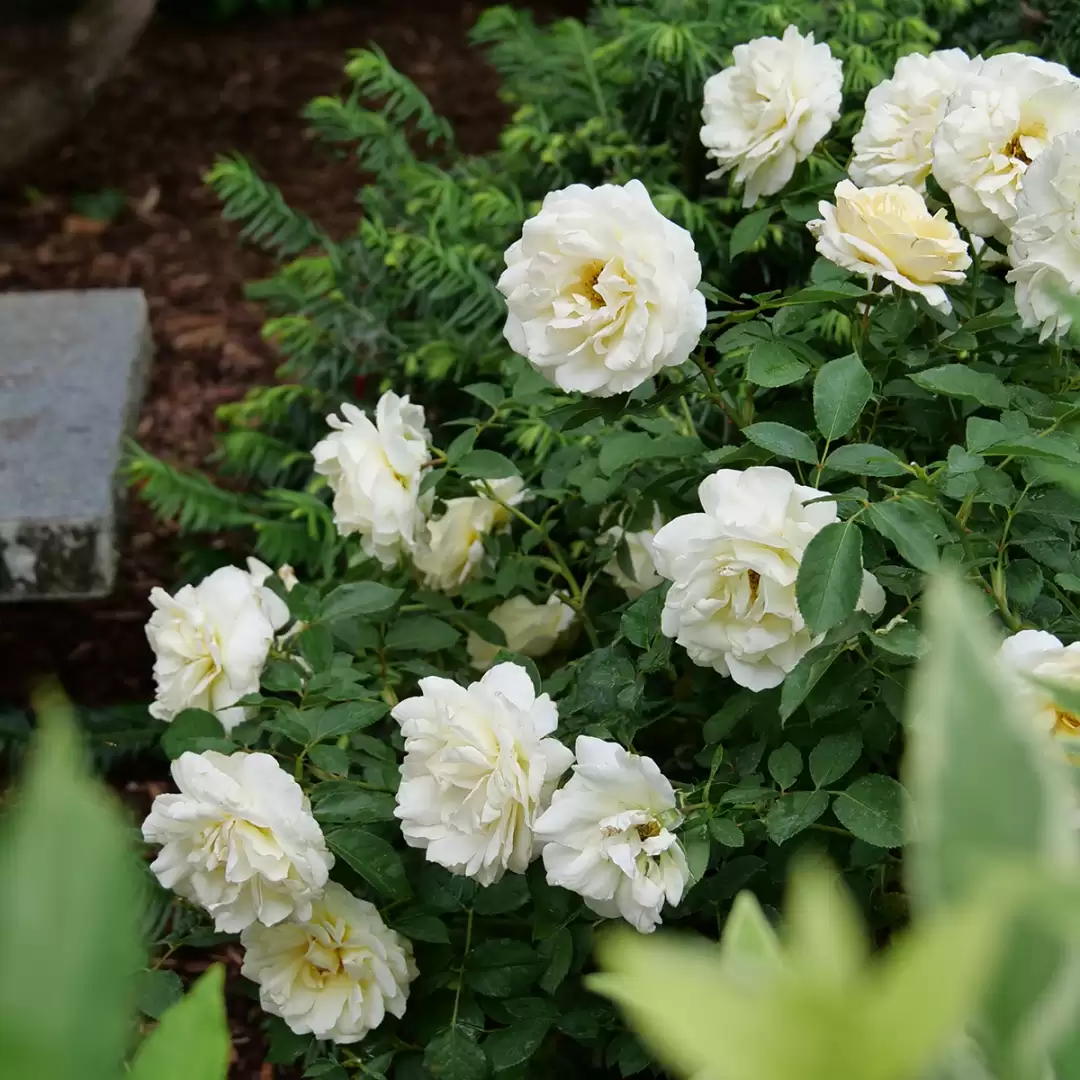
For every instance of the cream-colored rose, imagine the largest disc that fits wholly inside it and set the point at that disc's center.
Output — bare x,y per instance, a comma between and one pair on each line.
453,545
480,766
375,470
1045,246
642,575
211,640
238,839
530,629
609,835
888,232
733,568
602,290
894,144
767,112
1033,656
334,973
997,124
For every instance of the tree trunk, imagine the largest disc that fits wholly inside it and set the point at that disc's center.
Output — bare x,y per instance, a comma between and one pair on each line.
40,109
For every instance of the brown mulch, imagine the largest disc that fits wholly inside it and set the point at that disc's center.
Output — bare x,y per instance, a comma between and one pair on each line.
185,95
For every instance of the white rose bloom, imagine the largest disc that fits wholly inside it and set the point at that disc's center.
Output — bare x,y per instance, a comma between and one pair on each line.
608,835
1035,654
888,232
334,974
767,112
478,771
1045,245
893,146
997,124
239,840
211,640
601,290
453,545
732,605
530,629
375,471
639,545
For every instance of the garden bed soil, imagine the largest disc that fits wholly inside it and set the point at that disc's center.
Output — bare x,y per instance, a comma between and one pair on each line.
185,95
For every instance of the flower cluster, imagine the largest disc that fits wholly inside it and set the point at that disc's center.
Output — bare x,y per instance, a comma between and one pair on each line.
478,794
568,529
239,840
999,136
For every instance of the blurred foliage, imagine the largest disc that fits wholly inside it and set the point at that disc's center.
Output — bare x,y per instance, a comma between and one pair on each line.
72,934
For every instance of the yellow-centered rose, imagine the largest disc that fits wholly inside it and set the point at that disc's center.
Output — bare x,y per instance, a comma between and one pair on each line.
888,232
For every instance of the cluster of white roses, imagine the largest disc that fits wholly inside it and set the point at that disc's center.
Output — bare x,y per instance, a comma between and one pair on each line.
478,793
1000,137
239,840
602,293
375,470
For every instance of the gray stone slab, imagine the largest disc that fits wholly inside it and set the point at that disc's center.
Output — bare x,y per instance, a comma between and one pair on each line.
72,372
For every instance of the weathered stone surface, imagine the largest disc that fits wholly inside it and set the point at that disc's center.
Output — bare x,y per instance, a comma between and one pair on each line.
72,372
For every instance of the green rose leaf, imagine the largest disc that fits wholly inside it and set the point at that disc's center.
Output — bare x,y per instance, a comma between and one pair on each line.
421,633
841,390
491,394
513,1046
486,465
748,230
195,730
725,831
961,381
911,534
338,802
785,764
805,676
794,813
624,448
156,990
345,718
428,928
834,756
872,808
358,599
373,859
502,968
782,440
454,1055
772,364
830,576
865,459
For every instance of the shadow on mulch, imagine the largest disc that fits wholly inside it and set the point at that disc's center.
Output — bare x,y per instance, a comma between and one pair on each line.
185,95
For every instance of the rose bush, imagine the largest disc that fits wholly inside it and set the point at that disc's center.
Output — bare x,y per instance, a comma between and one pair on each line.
670,472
